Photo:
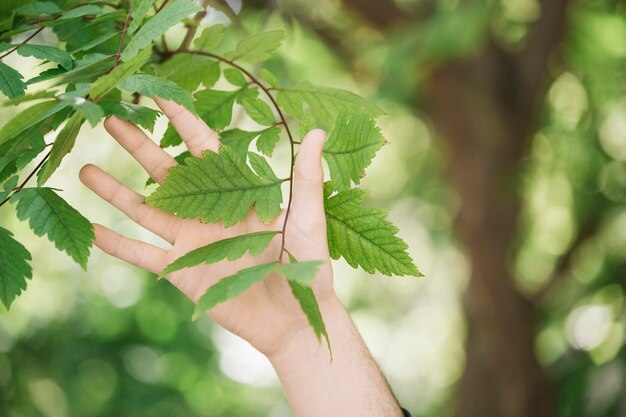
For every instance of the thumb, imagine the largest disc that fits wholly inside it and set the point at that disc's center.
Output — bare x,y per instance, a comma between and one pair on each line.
308,192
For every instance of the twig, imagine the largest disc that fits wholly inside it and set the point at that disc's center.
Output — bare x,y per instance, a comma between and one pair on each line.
124,31
193,27
21,186
24,42
282,121
158,9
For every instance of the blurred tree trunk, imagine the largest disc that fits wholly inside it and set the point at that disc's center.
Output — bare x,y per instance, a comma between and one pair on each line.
485,108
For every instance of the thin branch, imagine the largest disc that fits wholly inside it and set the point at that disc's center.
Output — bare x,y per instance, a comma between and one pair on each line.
124,31
21,186
283,121
158,9
193,27
24,42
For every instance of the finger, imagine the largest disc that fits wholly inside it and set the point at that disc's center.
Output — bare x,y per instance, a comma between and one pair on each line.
308,191
194,132
130,203
135,252
154,159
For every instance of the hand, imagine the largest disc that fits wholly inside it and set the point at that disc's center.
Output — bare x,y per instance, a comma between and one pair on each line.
266,315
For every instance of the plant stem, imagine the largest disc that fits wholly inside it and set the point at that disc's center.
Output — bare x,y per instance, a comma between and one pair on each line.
158,9
124,31
193,28
24,42
19,187
282,121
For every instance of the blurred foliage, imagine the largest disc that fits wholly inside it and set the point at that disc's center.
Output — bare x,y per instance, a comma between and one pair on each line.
97,356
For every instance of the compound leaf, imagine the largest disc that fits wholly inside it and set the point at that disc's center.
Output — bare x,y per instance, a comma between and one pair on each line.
49,214
231,249
363,235
14,267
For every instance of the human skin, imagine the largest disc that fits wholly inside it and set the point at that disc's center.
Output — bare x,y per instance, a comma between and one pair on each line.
266,315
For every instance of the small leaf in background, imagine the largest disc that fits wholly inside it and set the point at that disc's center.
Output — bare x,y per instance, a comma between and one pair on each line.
210,37
29,118
11,82
235,77
14,268
189,71
216,107
134,113
49,214
107,82
238,139
49,53
257,47
267,141
151,86
259,111
232,248
232,286
218,187
63,145
43,8
351,147
139,10
363,235
170,137
170,15
270,78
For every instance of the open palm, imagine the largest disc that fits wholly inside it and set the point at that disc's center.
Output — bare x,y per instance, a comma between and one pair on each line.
266,315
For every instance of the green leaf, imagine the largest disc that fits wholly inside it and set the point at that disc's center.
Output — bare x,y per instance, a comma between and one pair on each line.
235,77
49,214
134,113
232,248
8,187
30,97
49,53
151,86
268,202
61,147
139,10
11,83
211,36
325,104
270,78
170,137
363,235
14,268
120,73
170,15
42,8
216,107
180,160
238,139
218,187
29,118
85,10
189,71
301,272
259,111
232,286
308,303
351,147
267,141
257,47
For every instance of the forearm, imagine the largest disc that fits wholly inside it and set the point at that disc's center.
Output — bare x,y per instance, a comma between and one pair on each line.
351,386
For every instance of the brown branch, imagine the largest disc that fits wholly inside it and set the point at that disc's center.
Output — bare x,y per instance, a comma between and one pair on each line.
124,32
158,9
24,42
21,186
193,27
283,121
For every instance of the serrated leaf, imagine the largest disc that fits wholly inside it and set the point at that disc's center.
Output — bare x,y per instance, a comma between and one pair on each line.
63,145
351,147
269,201
270,78
217,187
85,10
30,97
11,82
232,248
363,236
301,272
232,286
235,77
180,160
215,107
14,268
29,118
189,71
49,214
267,141
134,113
257,47
139,10
43,8
210,37
238,139
49,53
325,104
310,308
170,15
170,137
120,73
151,86
259,111
8,187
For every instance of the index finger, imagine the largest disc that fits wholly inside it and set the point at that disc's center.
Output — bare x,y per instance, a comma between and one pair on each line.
193,131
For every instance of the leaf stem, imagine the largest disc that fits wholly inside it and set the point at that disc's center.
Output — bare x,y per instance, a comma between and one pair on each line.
283,121
124,31
19,187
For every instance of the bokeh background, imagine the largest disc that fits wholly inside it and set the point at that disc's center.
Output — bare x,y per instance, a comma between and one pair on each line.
505,171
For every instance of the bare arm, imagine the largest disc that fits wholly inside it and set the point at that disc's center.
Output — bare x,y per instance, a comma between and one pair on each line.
266,315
